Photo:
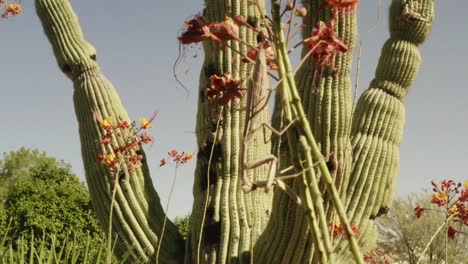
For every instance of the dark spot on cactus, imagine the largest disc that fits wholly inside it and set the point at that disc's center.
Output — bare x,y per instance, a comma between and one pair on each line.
382,211
210,70
261,37
122,176
201,96
245,257
210,212
66,69
212,233
93,57
204,157
205,175
252,21
332,164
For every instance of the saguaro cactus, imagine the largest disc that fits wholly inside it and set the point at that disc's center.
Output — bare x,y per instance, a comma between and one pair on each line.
347,158
137,213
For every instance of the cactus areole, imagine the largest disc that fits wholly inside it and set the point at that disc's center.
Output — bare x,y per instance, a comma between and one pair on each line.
343,159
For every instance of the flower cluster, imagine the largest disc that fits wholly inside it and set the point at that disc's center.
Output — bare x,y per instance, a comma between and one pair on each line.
133,137
376,257
223,89
324,44
269,54
452,199
175,158
336,229
12,9
198,30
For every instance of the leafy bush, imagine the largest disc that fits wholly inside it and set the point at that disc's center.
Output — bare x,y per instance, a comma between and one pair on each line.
42,198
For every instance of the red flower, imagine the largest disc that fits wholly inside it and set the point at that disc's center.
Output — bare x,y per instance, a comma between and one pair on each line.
146,138
464,195
223,88
199,30
418,211
336,229
269,54
224,31
106,139
122,124
340,4
446,185
324,44
177,158
173,153
451,232
356,230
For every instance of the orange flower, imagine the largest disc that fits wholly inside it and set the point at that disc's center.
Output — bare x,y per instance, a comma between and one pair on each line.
440,198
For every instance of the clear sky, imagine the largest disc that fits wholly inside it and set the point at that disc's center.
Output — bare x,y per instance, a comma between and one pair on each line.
136,48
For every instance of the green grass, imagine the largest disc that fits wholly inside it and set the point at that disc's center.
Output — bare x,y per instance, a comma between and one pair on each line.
48,249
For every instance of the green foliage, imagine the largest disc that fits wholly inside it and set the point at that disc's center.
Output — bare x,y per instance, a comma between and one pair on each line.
43,197
16,166
182,224
403,236
71,250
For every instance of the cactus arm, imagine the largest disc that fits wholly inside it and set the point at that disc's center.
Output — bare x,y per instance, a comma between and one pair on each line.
379,119
137,212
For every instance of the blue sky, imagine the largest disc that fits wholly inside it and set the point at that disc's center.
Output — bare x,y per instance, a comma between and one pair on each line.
136,48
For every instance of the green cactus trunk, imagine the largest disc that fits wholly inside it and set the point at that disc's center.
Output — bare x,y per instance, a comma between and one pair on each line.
356,149
233,219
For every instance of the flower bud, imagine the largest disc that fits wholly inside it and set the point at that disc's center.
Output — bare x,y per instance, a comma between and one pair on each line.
239,20
301,12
